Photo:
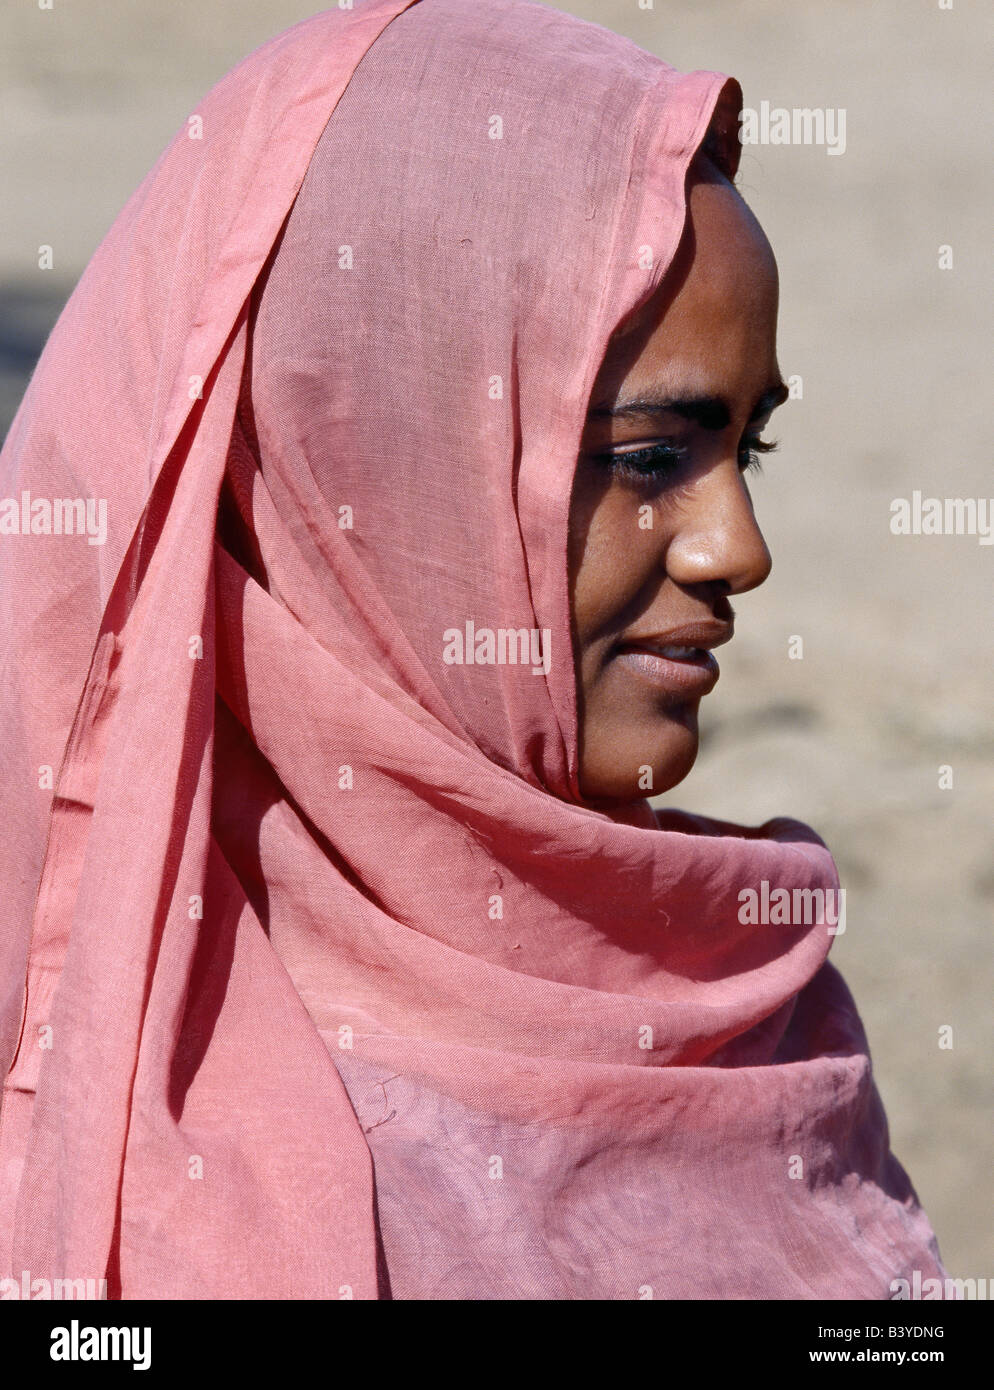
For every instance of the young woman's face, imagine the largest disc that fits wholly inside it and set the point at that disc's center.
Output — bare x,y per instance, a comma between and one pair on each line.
662,529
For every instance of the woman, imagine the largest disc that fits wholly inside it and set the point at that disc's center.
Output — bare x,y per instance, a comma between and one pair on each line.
344,956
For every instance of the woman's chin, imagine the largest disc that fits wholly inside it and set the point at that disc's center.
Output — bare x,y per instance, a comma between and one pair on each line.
635,768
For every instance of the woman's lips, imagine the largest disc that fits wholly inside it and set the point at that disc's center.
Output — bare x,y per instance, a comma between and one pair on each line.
691,672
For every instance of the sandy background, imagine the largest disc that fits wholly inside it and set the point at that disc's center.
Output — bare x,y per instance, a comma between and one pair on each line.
894,353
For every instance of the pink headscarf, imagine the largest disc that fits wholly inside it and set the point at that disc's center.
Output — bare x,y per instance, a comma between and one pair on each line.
319,979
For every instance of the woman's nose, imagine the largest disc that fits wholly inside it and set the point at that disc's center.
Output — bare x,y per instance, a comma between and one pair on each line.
717,537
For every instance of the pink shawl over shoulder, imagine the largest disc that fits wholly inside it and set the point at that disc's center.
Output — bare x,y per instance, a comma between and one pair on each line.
317,977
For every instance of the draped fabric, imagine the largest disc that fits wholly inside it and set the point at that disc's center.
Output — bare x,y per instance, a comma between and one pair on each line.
319,979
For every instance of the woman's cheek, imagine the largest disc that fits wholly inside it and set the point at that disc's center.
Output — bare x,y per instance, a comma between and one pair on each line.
629,535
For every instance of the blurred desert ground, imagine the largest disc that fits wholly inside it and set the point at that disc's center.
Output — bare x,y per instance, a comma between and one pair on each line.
895,359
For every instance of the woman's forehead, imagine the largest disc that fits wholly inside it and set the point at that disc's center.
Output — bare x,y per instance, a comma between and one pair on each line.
712,317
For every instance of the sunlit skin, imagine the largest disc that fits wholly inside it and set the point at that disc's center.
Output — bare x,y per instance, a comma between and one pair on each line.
709,336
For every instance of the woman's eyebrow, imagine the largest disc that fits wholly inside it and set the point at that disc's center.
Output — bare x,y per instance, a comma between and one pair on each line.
710,412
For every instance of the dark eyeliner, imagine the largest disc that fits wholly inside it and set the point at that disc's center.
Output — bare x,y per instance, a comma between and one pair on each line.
649,461
655,460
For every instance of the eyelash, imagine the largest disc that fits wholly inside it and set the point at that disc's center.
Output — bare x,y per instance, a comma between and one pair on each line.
656,459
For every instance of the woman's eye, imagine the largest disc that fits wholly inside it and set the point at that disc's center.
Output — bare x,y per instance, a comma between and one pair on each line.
749,451
659,460
651,461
